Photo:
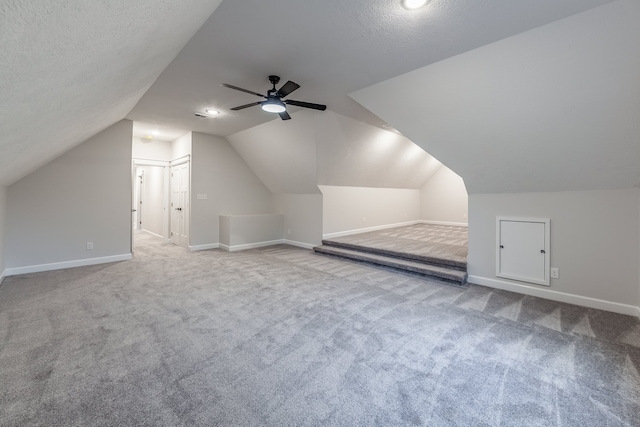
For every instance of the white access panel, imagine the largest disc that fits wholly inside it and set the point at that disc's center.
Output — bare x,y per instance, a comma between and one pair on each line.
523,249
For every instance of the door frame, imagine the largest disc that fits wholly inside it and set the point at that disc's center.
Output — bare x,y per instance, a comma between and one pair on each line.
135,163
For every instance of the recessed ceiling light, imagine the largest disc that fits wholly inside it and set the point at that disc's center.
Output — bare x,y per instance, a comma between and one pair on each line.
212,112
155,133
414,4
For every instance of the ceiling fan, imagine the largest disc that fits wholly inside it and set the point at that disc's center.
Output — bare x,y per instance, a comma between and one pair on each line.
274,102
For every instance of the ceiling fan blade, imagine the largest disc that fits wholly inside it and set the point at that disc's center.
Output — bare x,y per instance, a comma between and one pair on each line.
284,115
243,90
242,107
306,104
287,89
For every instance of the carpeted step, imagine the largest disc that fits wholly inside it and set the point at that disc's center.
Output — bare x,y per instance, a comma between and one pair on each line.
443,262
440,272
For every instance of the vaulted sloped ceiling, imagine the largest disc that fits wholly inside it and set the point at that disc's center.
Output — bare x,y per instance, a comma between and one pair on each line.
555,108
329,47
72,68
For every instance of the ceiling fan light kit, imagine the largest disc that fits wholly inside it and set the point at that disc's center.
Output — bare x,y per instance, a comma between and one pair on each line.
273,106
414,4
273,99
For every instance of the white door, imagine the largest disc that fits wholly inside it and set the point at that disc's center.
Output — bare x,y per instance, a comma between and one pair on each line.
139,197
523,250
180,205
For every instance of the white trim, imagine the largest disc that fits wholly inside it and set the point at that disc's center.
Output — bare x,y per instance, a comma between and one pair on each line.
535,291
299,244
66,264
457,224
148,162
250,245
204,247
153,234
180,160
366,230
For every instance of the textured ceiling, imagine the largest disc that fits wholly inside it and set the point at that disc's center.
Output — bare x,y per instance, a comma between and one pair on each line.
72,68
329,47
556,108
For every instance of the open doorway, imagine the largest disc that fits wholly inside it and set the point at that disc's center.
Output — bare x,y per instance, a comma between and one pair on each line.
157,151
150,210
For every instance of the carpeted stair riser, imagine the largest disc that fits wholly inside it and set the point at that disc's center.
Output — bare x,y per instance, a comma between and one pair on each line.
461,266
442,273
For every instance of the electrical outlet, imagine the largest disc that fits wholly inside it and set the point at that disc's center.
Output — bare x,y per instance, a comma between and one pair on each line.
555,273
289,232
364,219
89,246
464,216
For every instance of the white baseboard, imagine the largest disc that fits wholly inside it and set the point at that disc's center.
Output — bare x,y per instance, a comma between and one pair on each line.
204,247
66,264
615,307
235,248
458,224
365,230
152,233
299,244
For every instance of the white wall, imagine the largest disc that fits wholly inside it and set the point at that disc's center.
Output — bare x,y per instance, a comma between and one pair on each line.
444,198
302,218
82,196
594,243
3,228
181,147
145,149
344,208
229,185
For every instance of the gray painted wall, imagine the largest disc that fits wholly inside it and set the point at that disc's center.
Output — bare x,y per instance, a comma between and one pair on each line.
347,209
302,217
351,153
327,148
239,231
281,153
594,239
230,185
3,227
444,198
82,196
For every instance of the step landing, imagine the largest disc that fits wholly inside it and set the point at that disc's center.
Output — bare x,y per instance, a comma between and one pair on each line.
449,270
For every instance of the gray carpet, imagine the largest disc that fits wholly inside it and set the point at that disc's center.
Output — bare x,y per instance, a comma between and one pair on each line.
280,336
